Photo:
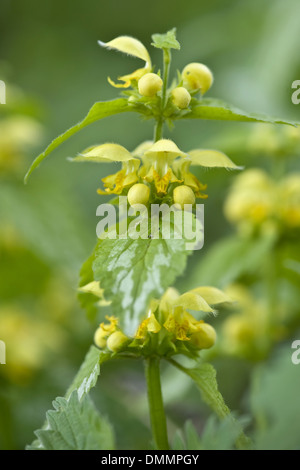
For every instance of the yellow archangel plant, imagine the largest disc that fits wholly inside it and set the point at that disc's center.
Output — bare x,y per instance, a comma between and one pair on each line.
132,278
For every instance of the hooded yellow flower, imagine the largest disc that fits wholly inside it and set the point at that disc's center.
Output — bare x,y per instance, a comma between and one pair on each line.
169,326
127,176
171,314
161,164
178,320
132,47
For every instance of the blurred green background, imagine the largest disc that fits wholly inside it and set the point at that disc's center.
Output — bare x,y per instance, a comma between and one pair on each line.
55,71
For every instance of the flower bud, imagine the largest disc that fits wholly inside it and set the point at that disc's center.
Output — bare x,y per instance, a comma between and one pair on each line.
100,337
116,341
181,97
197,77
149,84
138,194
183,195
205,337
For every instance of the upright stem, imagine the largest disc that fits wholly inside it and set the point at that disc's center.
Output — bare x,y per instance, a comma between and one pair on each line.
160,121
156,407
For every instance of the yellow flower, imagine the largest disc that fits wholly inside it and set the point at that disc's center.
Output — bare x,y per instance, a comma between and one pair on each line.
205,336
132,47
150,84
289,200
163,163
247,332
113,184
17,135
256,200
181,97
183,195
180,322
116,341
150,325
94,288
104,331
202,158
138,194
197,76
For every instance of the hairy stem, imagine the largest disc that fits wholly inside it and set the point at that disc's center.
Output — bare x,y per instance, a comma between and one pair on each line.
156,407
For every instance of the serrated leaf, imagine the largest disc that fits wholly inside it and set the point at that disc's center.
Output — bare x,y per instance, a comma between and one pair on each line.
88,374
98,111
217,435
131,272
166,41
204,376
210,108
74,425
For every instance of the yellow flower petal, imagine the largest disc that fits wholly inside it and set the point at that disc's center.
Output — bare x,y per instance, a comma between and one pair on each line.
142,148
212,295
164,147
182,168
161,182
168,299
150,324
192,301
211,159
92,288
105,153
179,329
130,46
153,325
136,75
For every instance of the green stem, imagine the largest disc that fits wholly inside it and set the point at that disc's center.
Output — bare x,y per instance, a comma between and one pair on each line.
158,129
160,121
156,407
167,62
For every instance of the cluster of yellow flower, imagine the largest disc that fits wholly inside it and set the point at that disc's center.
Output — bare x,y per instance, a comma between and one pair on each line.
160,170
195,77
157,170
168,320
251,330
258,201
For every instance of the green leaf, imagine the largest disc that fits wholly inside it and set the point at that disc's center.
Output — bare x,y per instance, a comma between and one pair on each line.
166,41
98,111
88,374
204,376
217,435
74,425
131,272
210,108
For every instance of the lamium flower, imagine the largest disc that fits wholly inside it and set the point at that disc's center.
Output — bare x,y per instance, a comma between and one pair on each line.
132,47
169,326
180,323
160,165
126,177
